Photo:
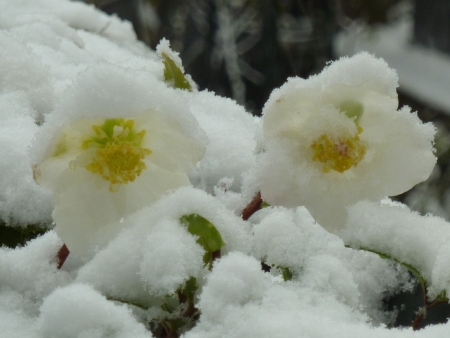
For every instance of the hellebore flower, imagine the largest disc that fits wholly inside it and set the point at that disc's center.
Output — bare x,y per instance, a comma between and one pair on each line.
100,170
338,138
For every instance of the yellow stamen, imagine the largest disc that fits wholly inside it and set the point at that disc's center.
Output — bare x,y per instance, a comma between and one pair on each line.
338,154
119,163
119,155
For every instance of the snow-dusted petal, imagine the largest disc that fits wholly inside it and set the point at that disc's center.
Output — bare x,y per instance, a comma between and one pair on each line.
108,153
331,141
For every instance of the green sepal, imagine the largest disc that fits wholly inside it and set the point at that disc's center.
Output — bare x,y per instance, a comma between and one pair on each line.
190,288
286,273
173,74
352,109
264,205
208,236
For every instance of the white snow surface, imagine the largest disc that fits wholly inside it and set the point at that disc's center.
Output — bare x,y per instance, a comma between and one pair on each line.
63,60
393,229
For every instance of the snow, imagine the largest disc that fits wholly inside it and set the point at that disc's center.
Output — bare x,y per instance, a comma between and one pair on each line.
319,260
424,73
64,64
91,315
401,233
230,131
131,268
29,274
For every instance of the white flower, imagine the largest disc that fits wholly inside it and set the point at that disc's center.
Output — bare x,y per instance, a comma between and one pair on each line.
100,170
338,138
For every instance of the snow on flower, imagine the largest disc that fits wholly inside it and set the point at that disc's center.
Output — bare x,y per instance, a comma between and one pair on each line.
337,138
105,167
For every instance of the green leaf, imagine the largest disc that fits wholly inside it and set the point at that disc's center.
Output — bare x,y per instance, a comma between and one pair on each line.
13,236
414,270
123,301
173,74
208,236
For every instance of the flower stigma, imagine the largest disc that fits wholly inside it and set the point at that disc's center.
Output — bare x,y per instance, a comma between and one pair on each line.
338,154
119,155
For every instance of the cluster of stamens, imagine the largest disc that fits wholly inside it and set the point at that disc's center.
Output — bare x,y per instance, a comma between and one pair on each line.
119,155
339,154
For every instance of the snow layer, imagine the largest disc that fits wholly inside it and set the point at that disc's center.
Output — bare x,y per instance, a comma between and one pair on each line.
91,315
156,254
319,260
230,154
241,301
393,229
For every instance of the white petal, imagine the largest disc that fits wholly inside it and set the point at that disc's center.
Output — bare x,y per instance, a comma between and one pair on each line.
172,149
150,186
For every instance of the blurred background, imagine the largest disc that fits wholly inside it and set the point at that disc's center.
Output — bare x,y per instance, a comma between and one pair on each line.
243,49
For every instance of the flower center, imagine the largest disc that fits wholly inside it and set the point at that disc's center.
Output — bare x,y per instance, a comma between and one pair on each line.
119,154
119,162
338,154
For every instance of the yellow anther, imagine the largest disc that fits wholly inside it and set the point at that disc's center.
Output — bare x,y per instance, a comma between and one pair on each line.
338,154
119,163
119,155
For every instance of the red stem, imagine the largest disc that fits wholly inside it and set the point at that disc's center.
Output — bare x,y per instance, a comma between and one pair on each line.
421,315
252,207
63,253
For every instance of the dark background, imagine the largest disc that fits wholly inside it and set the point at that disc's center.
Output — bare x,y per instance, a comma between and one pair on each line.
243,49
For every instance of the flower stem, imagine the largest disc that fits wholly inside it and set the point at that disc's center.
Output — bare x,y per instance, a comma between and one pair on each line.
62,255
252,207
428,306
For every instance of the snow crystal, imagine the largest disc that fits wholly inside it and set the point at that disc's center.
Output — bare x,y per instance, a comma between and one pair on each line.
362,70
231,133
73,14
237,280
22,201
22,71
170,256
14,324
31,271
79,311
286,238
